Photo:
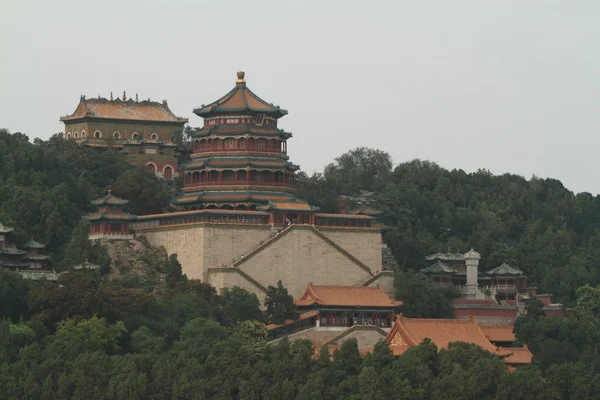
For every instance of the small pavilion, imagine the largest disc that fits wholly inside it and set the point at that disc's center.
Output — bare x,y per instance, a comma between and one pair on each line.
110,221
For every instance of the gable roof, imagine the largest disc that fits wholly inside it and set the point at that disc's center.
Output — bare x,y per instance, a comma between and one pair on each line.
32,244
124,110
240,99
437,268
346,296
505,269
408,332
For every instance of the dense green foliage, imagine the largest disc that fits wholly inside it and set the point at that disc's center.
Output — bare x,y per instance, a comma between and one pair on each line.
46,187
422,299
279,304
91,339
536,225
85,337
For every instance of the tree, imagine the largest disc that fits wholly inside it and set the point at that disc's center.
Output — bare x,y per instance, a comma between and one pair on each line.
145,192
359,169
174,273
13,293
422,299
236,305
280,304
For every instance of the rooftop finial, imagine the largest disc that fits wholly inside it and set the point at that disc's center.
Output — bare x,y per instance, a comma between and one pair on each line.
109,190
136,98
124,96
240,75
111,96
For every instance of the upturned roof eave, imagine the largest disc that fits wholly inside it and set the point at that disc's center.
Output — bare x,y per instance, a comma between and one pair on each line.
207,112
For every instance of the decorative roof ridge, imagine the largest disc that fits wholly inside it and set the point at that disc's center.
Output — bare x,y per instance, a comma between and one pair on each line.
5,229
310,291
34,245
401,326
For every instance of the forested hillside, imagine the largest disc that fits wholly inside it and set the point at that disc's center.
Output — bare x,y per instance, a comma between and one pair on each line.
537,225
46,187
88,337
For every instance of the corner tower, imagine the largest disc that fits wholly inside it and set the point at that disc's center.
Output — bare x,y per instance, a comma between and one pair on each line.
239,159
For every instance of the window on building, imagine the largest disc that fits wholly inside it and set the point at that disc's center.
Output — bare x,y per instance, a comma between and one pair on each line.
68,135
229,143
97,134
83,134
242,143
117,135
154,136
135,136
260,144
259,119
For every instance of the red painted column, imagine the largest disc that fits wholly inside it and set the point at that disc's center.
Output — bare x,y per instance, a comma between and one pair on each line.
247,177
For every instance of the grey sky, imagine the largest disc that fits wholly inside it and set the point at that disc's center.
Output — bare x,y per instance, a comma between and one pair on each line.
511,86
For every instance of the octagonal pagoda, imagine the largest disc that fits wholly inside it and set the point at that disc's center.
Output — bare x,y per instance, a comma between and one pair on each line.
239,159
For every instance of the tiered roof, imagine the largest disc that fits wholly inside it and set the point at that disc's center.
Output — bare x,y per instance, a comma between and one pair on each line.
237,196
33,245
240,99
346,296
242,130
239,162
86,265
119,109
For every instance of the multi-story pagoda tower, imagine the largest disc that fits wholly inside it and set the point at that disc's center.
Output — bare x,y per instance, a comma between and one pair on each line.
240,160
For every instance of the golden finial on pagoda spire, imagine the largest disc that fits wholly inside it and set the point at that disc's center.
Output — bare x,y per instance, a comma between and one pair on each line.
240,75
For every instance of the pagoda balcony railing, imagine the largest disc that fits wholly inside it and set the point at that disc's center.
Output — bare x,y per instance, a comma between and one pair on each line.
240,183
505,286
238,150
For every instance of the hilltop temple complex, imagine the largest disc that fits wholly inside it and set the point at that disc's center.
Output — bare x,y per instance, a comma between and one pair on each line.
143,130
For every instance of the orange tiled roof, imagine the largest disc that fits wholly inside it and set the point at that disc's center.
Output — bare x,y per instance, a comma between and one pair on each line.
515,355
270,197
499,333
291,206
226,196
363,296
408,332
239,99
124,110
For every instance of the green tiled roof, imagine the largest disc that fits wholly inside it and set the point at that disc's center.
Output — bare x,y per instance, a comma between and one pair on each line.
109,199
32,244
504,269
110,216
228,196
86,265
4,229
239,162
438,268
242,130
11,250
38,275
445,256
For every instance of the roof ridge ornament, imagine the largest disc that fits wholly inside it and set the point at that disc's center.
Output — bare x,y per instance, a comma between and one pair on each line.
240,77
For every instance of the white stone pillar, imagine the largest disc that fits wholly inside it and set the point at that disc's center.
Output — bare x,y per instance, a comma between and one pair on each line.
472,262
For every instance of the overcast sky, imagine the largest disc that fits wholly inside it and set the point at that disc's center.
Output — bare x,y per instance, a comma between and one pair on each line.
510,86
